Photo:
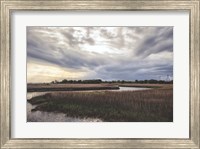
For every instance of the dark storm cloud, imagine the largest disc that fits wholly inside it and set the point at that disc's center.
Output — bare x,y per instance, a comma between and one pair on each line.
159,40
127,50
136,70
68,59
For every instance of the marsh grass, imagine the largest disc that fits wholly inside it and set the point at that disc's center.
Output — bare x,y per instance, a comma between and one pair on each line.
155,105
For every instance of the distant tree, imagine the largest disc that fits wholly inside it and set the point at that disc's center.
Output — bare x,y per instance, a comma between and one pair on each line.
64,81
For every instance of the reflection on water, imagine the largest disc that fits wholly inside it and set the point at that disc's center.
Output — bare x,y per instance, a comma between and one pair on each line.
40,116
33,94
132,88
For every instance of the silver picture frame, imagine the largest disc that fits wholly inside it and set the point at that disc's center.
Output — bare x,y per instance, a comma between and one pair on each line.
8,6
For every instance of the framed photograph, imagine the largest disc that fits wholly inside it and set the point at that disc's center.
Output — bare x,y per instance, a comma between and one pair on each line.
99,74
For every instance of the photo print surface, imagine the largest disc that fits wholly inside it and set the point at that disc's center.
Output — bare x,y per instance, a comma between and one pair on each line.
100,74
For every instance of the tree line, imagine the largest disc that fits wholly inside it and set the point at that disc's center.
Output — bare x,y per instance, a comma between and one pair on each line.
98,81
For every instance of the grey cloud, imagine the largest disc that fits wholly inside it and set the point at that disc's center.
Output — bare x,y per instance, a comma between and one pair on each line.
160,40
113,39
89,30
66,56
89,40
70,38
106,34
68,34
135,69
43,44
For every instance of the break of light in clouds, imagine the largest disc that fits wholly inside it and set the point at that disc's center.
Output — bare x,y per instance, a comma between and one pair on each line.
107,53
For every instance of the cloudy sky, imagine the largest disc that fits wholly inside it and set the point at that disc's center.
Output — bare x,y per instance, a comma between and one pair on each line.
107,53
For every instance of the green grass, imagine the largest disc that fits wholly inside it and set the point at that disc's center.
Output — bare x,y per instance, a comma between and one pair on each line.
155,105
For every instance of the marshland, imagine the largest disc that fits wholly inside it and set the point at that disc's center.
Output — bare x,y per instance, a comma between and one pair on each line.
105,101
